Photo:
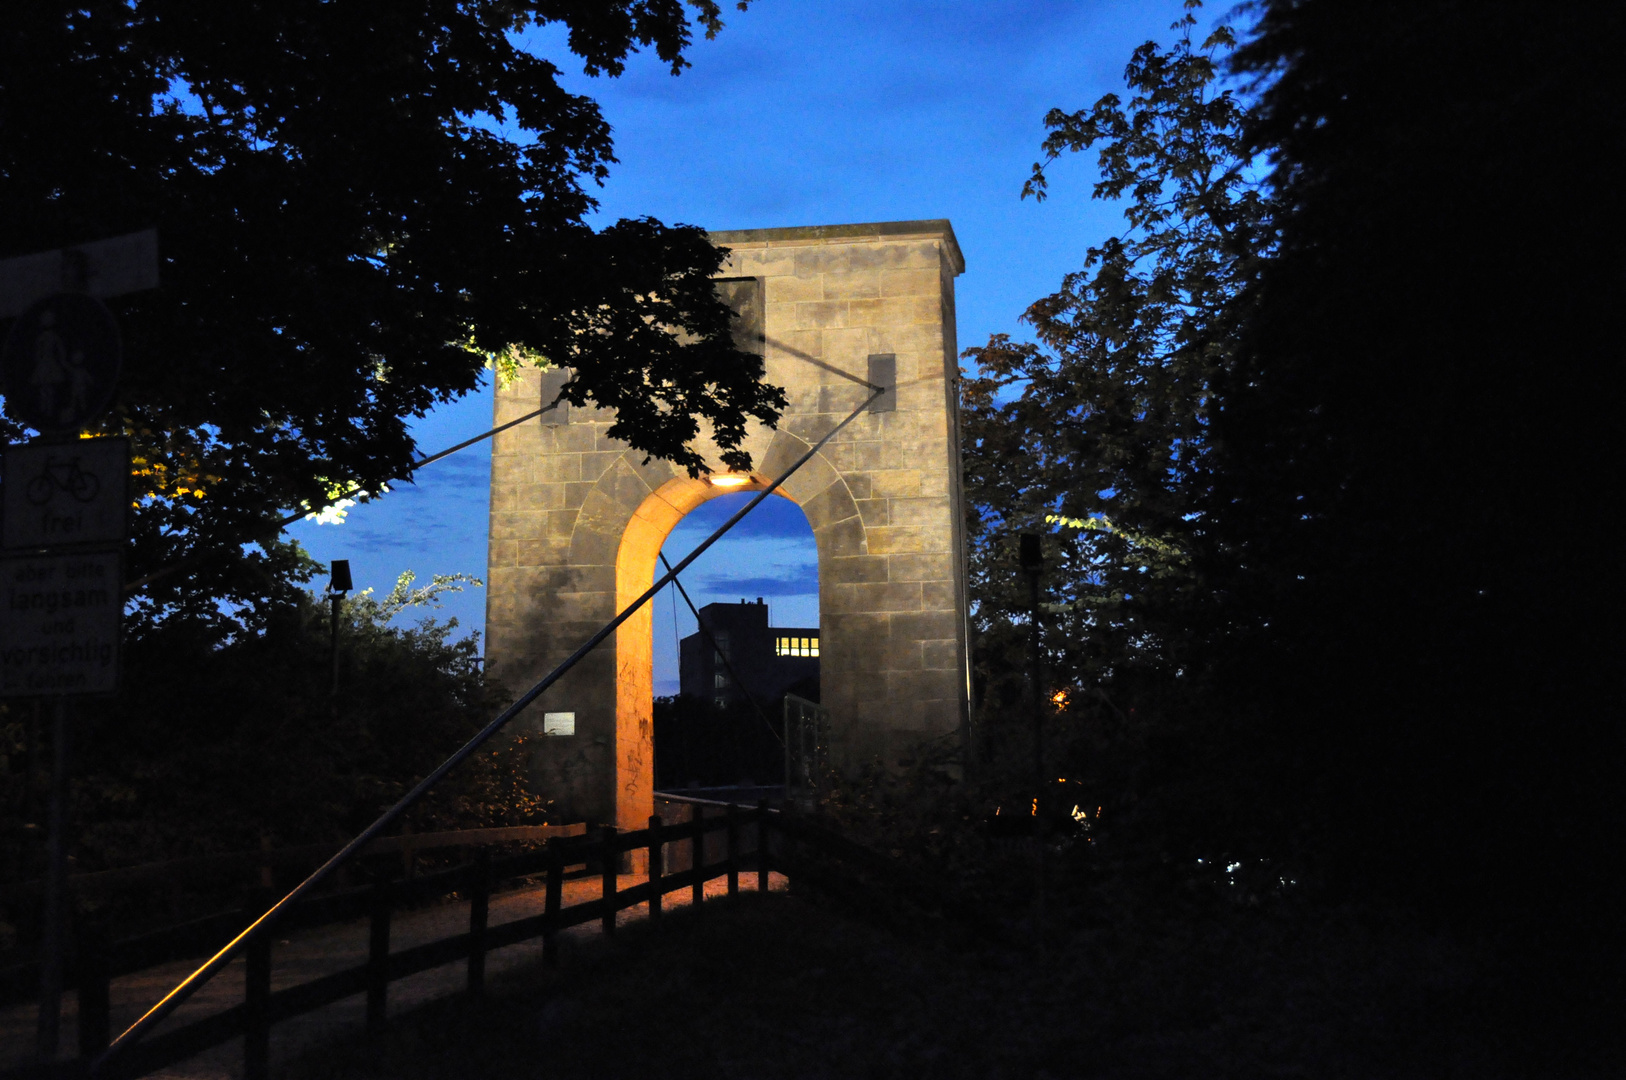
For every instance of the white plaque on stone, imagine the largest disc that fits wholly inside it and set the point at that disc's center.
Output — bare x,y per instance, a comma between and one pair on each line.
559,723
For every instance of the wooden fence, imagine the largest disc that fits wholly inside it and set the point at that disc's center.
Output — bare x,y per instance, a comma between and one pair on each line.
783,842
261,1008
200,937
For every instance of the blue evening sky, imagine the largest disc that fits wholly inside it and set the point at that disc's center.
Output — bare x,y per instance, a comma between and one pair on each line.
805,113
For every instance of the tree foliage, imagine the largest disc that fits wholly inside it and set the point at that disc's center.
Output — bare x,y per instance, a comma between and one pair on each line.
1096,434
359,205
1289,434
213,748
1300,450
1406,520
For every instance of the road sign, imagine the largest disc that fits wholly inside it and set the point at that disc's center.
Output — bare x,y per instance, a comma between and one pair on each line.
74,492
60,363
111,267
59,624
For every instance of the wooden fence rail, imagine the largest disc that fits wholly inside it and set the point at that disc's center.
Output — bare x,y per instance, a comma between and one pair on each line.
783,842
200,937
262,1008
210,868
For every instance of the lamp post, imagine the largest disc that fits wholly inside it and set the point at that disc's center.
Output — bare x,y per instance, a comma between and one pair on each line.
338,584
1031,559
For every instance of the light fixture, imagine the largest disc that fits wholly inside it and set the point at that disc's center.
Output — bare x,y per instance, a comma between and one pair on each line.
728,480
339,581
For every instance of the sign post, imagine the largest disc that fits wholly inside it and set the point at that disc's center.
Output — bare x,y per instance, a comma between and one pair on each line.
63,507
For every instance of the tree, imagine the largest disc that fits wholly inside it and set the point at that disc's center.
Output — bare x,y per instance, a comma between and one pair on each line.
1420,580
1096,435
220,747
251,740
360,206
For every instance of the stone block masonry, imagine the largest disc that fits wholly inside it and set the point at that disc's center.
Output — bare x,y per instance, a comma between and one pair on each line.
577,520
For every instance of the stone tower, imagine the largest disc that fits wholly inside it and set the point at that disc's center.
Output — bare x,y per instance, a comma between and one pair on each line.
577,521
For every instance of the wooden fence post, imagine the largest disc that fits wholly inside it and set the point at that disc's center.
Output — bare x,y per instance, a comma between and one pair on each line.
733,850
612,863
550,909
479,914
378,958
257,998
697,893
95,1021
655,868
762,847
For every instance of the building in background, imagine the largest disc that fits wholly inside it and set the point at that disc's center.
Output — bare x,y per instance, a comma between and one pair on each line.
770,661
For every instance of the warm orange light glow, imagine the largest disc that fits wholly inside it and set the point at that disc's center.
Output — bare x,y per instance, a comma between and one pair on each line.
1059,699
728,480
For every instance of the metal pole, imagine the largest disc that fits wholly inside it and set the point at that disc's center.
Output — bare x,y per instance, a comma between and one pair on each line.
1036,703
1031,558
1035,664
49,1028
333,641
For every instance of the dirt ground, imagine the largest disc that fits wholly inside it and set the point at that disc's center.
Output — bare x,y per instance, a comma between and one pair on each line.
788,986
794,985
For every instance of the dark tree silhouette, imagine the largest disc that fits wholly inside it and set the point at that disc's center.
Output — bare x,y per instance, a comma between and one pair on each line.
1096,434
1325,463
360,205
1410,522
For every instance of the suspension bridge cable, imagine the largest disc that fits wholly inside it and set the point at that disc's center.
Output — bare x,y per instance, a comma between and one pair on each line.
721,655
355,489
190,985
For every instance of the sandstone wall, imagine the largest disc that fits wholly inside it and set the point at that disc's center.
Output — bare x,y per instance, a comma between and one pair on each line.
577,520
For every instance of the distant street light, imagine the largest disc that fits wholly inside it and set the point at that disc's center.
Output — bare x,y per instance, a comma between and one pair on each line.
338,584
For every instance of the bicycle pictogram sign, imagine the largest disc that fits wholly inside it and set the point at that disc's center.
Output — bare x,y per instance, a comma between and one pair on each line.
70,492
65,476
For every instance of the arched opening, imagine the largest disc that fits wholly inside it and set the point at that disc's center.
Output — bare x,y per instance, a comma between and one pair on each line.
637,566
724,666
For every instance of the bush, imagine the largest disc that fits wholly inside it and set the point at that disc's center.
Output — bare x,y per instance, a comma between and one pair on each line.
218,746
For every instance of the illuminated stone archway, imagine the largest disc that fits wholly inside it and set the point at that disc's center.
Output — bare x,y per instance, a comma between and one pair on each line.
635,569
577,520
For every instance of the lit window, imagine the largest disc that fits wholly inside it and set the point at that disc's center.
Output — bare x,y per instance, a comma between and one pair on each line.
796,646
719,702
720,681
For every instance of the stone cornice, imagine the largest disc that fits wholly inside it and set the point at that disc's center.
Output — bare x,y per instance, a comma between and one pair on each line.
934,228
